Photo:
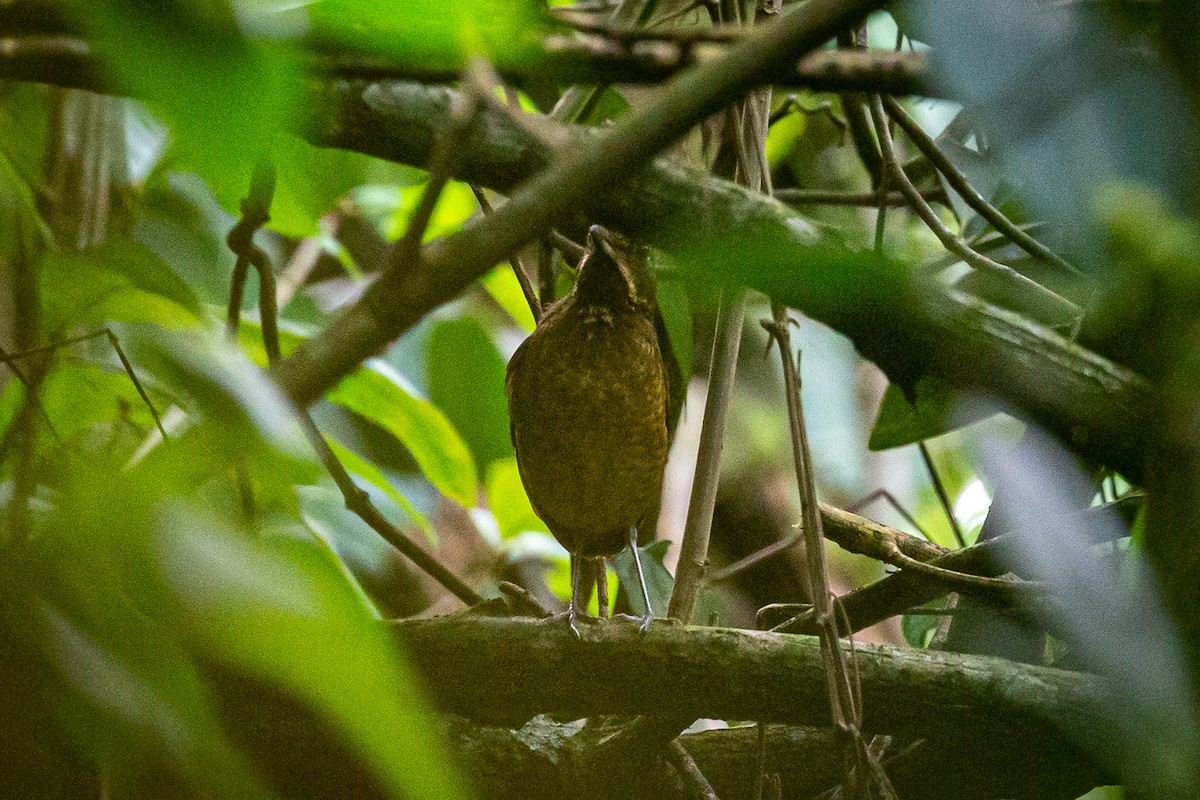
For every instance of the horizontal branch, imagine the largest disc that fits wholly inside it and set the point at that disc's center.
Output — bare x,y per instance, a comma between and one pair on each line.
534,762
593,61
59,58
905,589
578,177
907,327
505,671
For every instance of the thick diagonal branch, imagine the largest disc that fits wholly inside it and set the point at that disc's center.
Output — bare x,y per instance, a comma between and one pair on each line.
575,178
908,329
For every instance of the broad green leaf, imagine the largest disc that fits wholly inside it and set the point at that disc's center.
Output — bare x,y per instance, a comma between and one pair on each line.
466,381
378,393
119,281
77,395
310,181
508,502
222,95
677,316
918,628
357,465
242,416
324,542
23,234
502,284
127,700
277,609
782,137
938,408
24,125
429,34
132,687
180,221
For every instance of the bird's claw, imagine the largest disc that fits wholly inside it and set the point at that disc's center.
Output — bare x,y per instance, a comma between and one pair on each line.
644,622
573,617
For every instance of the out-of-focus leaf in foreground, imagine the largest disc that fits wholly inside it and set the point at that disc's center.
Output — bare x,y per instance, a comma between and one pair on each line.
431,34
223,94
277,609
1072,101
1117,623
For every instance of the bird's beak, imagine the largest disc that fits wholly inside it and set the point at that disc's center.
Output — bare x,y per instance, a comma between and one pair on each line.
598,236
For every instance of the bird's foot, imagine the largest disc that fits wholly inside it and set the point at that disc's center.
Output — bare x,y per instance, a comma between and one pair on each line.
573,617
645,621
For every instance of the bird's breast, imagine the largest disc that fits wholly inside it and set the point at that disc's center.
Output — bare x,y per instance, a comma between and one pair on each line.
587,400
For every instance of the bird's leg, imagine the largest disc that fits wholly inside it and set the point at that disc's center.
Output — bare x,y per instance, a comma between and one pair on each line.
637,564
601,588
572,607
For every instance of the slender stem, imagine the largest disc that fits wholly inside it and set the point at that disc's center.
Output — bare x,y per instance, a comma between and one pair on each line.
801,197
255,213
958,181
359,502
693,552
862,770
515,263
1046,300
943,497
694,782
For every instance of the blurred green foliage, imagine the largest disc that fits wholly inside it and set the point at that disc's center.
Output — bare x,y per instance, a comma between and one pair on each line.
148,581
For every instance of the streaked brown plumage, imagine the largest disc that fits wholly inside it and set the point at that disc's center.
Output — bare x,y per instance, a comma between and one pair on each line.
587,397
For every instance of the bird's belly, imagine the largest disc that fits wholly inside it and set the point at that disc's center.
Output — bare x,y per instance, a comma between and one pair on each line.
592,462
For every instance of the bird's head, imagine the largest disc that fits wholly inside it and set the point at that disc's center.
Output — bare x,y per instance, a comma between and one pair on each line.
615,270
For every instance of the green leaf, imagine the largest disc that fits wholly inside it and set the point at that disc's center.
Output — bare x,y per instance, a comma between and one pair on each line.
310,181
357,465
918,628
276,608
466,381
126,700
23,234
430,34
24,124
938,409
223,96
119,281
659,580
502,284
379,394
244,418
677,316
782,137
77,395
508,501
456,204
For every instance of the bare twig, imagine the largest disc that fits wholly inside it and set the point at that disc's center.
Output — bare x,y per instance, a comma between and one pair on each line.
515,262
1043,301
863,776
11,361
255,213
893,503
958,181
695,784
943,498
693,553
803,197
